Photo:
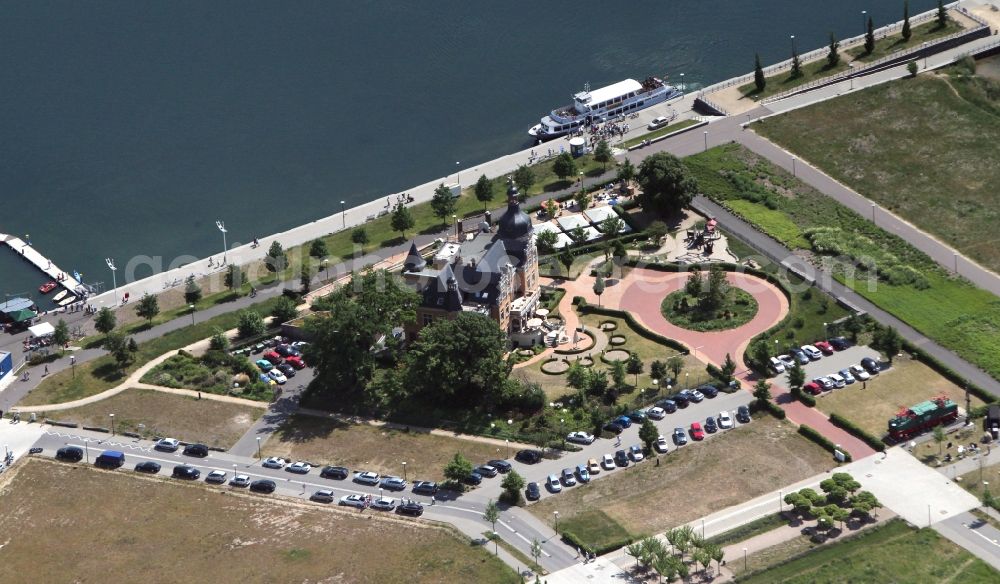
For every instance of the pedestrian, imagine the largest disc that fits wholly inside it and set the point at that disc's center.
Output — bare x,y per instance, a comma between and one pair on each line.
46,370
864,385
199,395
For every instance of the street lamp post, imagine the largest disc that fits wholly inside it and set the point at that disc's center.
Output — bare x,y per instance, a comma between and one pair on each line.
794,171
343,213
86,449
924,49
458,173
744,559
873,212
114,277
258,447
556,515
72,363
682,83
234,469
864,22
793,44
706,140
222,227
404,470
191,306
954,256
112,416
326,267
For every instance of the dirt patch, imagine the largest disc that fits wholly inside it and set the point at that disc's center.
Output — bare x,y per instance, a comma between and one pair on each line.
146,529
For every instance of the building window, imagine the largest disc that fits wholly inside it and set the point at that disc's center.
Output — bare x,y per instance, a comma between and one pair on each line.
428,319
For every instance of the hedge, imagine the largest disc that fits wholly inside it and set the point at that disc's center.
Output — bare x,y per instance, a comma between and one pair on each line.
947,372
585,308
771,408
820,439
559,351
845,424
572,539
807,399
541,367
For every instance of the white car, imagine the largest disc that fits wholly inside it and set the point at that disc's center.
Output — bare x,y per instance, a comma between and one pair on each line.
658,123
838,381
216,476
168,444
859,373
580,438
299,468
777,364
358,501
366,477
608,462
273,462
661,445
635,453
656,413
725,420
787,360
825,382
553,484
812,352
240,480
696,396
278,376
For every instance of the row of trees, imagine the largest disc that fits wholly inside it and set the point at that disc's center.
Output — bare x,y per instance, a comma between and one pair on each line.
841,498
651,554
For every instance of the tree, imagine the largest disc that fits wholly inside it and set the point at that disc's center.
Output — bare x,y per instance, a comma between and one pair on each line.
582,199
846,481
864,503
60,336
940,437
762,391
796,66
635,550
675,364
854,325
602,153
907,32
443,203
536,551
718,288
360,236
634,366
492,512
276,259
667,184
626,172
249,323
484,190
317,248
219,341
694,284
546,241
512,484
577,375
118,345
728,368
599,288
192,291
833,57
564,166
835,493
438,364
524,178
760,357
612,225
888,341
234,277
458,468
105,321
666,567
305,275
759,81
942,16
656,231
814,498
657,369
870,37
684,534
648,433
148,307
551,207
702,558
796,378
566,259
717,554
912,68
402,220
284,309
618,373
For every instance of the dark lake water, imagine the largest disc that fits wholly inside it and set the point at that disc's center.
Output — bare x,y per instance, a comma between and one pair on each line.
129,127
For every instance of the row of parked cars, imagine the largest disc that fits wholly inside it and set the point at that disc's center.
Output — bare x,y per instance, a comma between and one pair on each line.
844,377
280,363
808,353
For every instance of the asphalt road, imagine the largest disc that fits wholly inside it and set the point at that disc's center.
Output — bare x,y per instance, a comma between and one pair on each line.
973,534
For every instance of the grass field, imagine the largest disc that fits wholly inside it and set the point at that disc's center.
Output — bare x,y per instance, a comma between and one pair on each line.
908,382
661,132
120,527
690,482
163,414
890,553
362,447
973,481
951,311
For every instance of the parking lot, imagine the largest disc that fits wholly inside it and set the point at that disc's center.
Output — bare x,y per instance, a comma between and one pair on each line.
839,360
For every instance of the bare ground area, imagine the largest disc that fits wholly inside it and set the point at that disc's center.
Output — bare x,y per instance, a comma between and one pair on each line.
69,523
162,414
379,449
696,479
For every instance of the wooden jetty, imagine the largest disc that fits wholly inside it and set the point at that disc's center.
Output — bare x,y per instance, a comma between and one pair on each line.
54,272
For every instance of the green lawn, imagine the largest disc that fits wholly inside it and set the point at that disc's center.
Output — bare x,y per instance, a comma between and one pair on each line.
890,553
661,132
686,311
894,43
951,311
594,528
784,81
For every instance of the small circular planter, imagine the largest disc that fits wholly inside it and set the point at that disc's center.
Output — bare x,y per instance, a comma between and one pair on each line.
586,362
609,325
617,340
555,367
615,355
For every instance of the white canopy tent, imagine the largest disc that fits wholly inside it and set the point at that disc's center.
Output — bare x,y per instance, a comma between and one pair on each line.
42,330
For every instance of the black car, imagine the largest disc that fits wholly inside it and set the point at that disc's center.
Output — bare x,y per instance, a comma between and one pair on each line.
263,486
474,478
148,466
613,427
621,458
411,508
334,472
183,471
502,466
839,343
528,456
287,351
425,488
743,415
870,365
199,450
668,405
533,493
709,391
287,369
70,454
681,399
710,426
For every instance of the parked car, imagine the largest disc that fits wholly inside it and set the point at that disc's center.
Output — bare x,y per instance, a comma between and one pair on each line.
216,477
582,473
593,467
623,421
424,488
148,466
295,362
710,425
668,405
680,437
384,504
322,496
608,462
777,365
487,471
334,472
70,454
846,374
240,480
278,376
532,493
183,471
528,456
871,365
661,445
725,420
357,501
167,444
621,458
696,432
695,396
801,356
787,360
286,370
658,122
838,381
812,352
264,364
743,415
273,462
635,453
272,357
568,477
411,508
263,486
552,484
839,343
637,416
710,391
502,466
825,382
859,373
656,413
299,467
824,347
614,428
580,438
286,350
393,483
366,477
473,478
110,459
199,450
813,388
681,399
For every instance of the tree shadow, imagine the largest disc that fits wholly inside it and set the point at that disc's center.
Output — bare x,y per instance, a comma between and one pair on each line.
109,372
558,185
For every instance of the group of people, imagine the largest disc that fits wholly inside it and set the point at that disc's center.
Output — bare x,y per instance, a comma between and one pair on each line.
401,199
608,131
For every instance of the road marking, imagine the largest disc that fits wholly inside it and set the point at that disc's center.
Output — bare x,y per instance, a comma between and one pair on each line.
992,541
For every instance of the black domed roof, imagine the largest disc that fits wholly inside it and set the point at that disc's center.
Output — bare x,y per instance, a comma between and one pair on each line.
514,223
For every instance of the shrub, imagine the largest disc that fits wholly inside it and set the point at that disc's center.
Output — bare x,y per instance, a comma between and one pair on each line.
818,438
572,539
844,423
807,399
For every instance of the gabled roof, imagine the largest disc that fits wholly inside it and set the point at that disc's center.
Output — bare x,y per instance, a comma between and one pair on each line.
495,258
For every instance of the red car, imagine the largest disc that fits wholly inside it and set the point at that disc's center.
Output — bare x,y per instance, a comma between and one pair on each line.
824,347
696,432
296,362
273,357
813,388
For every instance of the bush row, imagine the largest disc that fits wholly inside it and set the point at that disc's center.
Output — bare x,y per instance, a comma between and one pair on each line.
807,399
769,407
947,372
818,438
576,351
845,424
572,539
585,308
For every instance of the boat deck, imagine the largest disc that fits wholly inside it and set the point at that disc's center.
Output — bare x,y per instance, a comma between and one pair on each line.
29,253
